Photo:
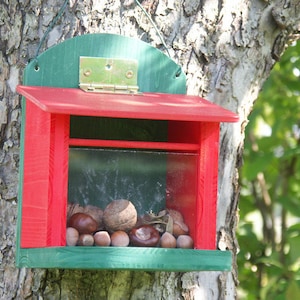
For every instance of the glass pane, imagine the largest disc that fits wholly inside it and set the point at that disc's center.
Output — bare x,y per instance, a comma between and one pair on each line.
98,176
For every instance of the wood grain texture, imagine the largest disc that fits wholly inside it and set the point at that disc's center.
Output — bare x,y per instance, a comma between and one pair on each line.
36,177
126,258
152,106
45,178
208,186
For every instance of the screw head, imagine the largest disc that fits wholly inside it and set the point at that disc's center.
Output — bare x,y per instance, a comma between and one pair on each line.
129,74
87,73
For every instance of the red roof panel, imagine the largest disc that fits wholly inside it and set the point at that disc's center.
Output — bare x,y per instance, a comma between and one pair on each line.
154,106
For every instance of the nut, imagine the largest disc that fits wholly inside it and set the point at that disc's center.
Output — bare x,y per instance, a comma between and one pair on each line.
119,239
96,213
119,215
72,236
85,240
167,240
185,241
83,223
102,238
144,236
73,209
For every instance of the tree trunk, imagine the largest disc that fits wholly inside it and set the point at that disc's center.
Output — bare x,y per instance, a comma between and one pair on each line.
227,49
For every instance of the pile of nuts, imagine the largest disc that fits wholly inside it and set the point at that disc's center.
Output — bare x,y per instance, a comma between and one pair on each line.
120,226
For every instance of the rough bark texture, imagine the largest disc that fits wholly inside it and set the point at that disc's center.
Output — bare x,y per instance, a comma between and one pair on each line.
227,49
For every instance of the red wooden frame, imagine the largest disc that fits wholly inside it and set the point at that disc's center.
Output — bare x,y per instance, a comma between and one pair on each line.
193,127
45,178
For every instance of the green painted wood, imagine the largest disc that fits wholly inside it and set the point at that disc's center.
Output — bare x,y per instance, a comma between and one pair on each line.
129,258
59,66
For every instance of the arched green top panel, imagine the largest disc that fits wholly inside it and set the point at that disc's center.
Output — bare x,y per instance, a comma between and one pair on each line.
59,65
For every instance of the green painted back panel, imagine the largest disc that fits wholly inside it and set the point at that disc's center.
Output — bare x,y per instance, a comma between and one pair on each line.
59,66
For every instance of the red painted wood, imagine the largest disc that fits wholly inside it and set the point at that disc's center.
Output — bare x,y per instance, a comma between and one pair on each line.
44,197
193,128
58,178
36,174
134,144
206,208
142,106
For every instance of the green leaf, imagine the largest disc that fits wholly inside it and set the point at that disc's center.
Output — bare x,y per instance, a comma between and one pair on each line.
294,248
293,291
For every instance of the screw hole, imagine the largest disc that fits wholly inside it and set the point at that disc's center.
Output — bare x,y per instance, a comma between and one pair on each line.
36,68
178,73
108,67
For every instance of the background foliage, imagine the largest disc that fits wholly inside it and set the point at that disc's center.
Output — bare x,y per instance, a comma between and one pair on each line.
269,230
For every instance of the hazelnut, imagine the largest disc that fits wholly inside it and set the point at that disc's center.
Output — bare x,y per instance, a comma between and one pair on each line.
85,240
119,215
72,236
167,240
102,238
144,236
83,223
119,239
185,241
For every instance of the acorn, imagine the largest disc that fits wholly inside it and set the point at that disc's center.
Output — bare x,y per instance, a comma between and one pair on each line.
119,215
119,239
83,223
185,241
102,238
167,240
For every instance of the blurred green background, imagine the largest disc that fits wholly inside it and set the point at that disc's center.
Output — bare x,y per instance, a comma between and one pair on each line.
269,227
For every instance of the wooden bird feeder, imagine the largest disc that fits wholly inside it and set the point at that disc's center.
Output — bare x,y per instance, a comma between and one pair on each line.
128,132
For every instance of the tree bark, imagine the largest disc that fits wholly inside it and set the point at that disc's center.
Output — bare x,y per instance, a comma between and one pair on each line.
227,49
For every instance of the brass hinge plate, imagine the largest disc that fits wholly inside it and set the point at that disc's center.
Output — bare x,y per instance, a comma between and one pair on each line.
108,75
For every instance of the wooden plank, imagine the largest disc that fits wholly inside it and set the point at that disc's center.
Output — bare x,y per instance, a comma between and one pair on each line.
134,145
141,106
36,177
44,198
129,258
59,65
206,215
58,180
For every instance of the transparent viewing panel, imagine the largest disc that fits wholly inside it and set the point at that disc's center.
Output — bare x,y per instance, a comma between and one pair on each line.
146,178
